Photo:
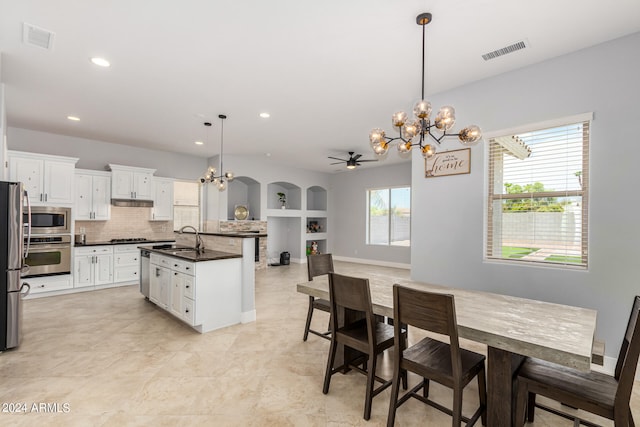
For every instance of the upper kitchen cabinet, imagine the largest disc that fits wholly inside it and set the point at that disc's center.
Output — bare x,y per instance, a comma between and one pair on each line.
131,183
93,195
162,200
48,179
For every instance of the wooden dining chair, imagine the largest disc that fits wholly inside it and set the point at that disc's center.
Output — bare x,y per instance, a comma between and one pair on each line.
317,265
601,394
434,360
350,300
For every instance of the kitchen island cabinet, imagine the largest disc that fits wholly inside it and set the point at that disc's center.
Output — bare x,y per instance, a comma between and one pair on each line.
202,290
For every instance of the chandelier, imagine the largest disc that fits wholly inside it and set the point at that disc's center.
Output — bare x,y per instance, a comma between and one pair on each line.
210,175
420,130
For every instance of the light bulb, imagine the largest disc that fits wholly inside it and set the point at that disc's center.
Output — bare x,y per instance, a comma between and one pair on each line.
428,151
410,129
376,136
222,185
422,109
445,119
404,147
380,148
229,176
399,118
470,135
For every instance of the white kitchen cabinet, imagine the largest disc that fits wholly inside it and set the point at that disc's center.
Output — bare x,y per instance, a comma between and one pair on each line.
160,286
93,266
131,183
162,200
48,283
206,294
48,179
126,263
93,195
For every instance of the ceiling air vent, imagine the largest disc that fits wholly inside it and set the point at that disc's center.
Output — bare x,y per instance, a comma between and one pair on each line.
36,36
506,50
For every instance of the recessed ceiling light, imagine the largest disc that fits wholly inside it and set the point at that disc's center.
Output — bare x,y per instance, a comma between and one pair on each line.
265,115
101,62
73,118
199,143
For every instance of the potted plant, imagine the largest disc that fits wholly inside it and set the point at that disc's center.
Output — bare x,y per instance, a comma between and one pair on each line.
283,200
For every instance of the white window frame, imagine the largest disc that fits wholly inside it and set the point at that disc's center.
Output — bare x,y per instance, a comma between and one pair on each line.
368,218
200,204
584,117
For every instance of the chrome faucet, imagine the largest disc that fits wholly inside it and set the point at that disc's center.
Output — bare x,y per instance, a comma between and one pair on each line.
199,243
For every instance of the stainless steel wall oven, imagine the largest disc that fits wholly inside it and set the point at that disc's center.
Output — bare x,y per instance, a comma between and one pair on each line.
49,255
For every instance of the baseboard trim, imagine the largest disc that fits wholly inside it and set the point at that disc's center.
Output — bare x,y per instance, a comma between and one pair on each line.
248,316
374,262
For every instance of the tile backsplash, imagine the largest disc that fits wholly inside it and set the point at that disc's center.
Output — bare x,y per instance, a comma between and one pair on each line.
126,222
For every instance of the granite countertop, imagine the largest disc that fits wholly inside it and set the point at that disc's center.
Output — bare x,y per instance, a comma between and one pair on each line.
138,242
241,234
189,254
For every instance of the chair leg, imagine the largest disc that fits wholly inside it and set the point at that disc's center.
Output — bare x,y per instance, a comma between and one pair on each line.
425,387
631,423
329,371
521,404
371,379
531,406
309,315
395,389
482,395
457,406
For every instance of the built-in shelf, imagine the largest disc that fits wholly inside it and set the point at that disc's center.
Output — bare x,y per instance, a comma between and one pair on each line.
292,192
244,191
316,199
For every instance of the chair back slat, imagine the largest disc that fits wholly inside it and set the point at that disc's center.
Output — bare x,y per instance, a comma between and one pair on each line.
349,292
317,265
425,310
628,358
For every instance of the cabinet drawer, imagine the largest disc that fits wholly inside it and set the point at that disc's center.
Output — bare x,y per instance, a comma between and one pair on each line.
125,274
188,311
183,267
189,287
161,260
126,248
46,284
93,250
128,259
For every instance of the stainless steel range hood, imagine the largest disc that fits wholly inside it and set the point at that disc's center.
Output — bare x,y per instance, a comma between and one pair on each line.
128,203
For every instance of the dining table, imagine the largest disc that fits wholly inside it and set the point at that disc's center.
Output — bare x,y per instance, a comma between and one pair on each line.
511,327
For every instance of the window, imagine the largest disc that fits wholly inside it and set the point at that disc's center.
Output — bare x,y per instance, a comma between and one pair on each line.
186,204
389,216
538,189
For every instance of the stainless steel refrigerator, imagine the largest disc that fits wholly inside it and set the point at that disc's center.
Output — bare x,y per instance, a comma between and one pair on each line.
14,218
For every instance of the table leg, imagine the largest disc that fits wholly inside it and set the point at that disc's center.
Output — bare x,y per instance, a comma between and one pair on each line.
501,368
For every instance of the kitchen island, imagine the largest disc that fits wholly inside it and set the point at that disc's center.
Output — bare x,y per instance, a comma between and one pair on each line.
201,288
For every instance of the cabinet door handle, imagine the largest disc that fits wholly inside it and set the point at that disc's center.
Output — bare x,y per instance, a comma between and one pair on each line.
187,286
46,197
41,197
175,274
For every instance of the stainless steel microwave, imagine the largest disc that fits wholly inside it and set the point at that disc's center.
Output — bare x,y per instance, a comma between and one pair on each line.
49,220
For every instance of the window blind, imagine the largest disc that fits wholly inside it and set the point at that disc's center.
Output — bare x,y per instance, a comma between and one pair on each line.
538,205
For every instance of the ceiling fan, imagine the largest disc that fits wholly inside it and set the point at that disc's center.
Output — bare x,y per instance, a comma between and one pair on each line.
353,161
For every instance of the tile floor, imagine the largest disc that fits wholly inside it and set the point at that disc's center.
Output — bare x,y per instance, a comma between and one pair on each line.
110,358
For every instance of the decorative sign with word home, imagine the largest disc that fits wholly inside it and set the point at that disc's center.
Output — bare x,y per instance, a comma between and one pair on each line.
455,162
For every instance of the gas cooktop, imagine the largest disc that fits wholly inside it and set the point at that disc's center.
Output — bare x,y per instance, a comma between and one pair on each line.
131,239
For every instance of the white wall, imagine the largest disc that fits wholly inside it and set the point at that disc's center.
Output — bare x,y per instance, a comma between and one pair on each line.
96,155
448,212
4,167
348,201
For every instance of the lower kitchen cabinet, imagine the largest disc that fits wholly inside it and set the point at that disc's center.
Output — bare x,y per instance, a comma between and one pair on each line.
93,266
49,283
126,263
206,295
